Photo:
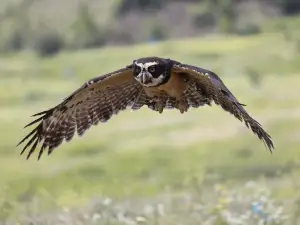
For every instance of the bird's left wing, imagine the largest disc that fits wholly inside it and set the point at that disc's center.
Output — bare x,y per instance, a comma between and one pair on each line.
213,88
96,101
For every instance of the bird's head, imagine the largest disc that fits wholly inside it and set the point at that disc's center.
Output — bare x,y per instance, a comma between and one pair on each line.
152,71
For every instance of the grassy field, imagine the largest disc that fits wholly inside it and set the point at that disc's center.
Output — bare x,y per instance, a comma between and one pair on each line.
173,161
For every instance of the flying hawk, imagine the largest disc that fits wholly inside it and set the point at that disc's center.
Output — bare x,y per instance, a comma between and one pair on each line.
158,83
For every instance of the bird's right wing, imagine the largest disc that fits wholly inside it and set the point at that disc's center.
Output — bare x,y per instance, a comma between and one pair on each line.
96,101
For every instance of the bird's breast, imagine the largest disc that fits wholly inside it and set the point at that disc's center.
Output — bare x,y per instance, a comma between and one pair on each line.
174,87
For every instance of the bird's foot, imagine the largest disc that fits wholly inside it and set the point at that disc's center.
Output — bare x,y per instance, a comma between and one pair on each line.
159,105
182,106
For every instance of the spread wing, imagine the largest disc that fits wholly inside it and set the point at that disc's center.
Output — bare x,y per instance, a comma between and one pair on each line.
212,87
96,101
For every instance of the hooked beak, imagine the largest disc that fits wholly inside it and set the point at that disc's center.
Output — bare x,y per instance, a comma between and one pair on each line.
145,78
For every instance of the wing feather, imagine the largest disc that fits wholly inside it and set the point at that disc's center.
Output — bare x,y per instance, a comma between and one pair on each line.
95,101
213,89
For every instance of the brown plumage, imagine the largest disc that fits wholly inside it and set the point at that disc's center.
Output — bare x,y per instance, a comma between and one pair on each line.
155,82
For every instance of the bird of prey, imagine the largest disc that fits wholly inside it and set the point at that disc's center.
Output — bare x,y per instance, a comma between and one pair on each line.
158,83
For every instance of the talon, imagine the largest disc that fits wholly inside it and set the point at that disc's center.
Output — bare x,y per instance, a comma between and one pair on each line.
160,108
158,104
182,106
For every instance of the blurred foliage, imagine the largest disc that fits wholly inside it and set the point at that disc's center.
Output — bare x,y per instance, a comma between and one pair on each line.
13,40
127,6
157,31
248,29
20,21
223,204
226,15
143,167
204,14
15,30
168,175
221,13
19,32
48,43
289,7
85,32
171,148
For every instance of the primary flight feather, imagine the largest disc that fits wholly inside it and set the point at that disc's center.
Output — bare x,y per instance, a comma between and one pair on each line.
158,83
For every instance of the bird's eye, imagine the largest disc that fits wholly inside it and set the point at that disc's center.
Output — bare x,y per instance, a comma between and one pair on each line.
151,69
138,69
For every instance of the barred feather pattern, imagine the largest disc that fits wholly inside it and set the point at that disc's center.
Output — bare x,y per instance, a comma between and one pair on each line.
194,96
212,87
78,115
143,99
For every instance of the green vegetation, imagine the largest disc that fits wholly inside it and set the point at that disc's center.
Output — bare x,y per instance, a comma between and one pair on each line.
47,27
201,167
143,153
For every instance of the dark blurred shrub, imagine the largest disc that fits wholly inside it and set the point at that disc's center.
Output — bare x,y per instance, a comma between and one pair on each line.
16,42
226,16
157,32
218,13
12,39
248,29
289,7
48,43
119,36
204,16
204,19
85,32
225,25
14,29
126,6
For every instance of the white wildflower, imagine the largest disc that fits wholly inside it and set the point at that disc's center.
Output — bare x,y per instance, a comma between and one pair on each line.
96,217
62,218
121,217
140,219
148,210
161,209
106,201
279,210
251,184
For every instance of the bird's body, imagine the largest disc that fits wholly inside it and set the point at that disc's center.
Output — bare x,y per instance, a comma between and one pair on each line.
152,81
173,88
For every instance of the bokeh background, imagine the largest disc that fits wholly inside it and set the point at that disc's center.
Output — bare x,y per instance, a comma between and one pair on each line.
201,167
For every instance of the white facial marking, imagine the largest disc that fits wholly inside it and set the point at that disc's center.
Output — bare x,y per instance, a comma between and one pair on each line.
146,65
142,76
155,81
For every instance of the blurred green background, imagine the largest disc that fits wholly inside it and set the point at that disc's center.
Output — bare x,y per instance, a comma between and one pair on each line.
201,167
